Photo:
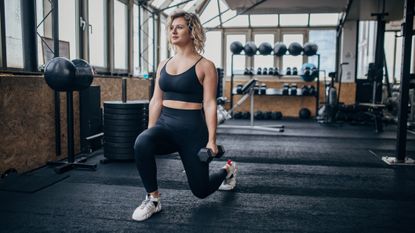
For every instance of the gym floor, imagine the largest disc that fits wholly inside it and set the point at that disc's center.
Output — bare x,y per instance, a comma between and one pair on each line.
310,178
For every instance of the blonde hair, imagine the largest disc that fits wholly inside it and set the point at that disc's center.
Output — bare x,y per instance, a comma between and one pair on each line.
194,25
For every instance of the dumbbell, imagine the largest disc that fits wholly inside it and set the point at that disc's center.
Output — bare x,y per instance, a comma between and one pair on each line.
206,155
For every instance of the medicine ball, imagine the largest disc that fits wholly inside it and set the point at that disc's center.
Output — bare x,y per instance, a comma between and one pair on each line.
265,48
304,113
295,48
310,49
83,75
60,74
250,48
236,47
280,49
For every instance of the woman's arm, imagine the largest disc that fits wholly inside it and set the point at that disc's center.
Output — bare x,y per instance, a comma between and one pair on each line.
210,82
156,101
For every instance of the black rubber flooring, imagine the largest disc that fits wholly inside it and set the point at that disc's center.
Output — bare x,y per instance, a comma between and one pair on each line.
311,178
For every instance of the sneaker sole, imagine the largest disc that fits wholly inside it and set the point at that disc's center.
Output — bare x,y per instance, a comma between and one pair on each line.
147,217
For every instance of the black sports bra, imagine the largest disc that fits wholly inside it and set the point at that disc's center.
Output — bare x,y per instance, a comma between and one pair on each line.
183,87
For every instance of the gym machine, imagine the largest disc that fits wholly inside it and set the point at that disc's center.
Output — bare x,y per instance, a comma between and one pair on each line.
248,91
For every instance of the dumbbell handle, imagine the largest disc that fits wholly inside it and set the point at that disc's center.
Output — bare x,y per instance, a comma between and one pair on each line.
221,151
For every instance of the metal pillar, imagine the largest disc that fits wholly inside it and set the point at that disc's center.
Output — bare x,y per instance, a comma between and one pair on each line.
401,136
55,35
28,11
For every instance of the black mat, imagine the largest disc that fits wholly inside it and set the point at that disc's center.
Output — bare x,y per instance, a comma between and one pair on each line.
29,183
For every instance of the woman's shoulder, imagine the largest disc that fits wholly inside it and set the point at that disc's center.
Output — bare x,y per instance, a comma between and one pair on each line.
206,63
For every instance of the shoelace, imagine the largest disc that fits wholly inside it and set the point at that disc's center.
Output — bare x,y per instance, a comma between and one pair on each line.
145,204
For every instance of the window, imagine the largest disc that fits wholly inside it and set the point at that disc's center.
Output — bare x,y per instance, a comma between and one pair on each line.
324,19
366,47
238,61
238,21
67,27
288,60
208,13
150,43
293,20
326,42
264,61
120,35
163,42
213,47
264,20
136,55
40,30
97,34
14,43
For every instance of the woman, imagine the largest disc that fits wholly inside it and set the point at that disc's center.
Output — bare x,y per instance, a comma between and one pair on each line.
182,116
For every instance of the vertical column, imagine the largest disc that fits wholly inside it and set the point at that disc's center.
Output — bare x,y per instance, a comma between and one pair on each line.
404,87
28,11
3,56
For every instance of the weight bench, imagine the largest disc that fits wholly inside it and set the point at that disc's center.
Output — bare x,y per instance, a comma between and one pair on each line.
248,91
376,112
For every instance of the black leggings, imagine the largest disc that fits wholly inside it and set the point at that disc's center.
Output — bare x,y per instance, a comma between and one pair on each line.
182,131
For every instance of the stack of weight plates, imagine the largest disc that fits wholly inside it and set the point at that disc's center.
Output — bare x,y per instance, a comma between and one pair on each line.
123,122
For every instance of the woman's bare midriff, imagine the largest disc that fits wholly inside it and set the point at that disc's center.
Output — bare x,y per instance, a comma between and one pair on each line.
182,105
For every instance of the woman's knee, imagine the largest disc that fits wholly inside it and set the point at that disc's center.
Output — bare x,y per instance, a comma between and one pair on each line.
142,145
200,192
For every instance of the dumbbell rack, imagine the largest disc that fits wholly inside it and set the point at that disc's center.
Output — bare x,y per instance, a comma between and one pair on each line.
317,96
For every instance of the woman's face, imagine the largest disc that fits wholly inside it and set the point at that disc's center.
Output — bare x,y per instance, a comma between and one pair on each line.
179,32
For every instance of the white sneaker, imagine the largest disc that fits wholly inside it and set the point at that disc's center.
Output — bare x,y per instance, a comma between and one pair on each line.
148,207
230,181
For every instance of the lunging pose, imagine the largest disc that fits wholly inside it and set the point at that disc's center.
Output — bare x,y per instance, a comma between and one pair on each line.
182,116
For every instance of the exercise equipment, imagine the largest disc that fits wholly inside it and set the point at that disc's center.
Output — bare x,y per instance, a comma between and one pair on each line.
293,89
305,90
206,155
295,71
288,71
276,115
248,90
295,48
236,47
61,74
259,71
308,72
310,49
271,71
265,48
265,71
123,122
250,48
280,49
304,113
285,89
64,75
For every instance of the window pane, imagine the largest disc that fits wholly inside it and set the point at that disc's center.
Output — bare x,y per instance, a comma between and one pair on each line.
97,54
324,19
293,19
326,42
150,43
120,35
366,47
264,61
39,18
67,28
136,70
288,60
163,42
238,61
264,20
213,47
208,13
238,21
14,43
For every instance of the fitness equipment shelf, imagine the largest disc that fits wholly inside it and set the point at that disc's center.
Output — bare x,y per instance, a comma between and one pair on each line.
317,96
